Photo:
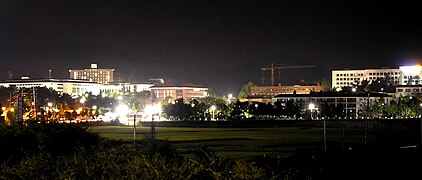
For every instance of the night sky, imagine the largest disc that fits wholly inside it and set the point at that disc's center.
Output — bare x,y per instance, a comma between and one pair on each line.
219,44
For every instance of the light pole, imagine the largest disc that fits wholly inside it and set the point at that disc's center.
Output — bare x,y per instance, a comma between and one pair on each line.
134,126
213,108
151,110
366,121
311,107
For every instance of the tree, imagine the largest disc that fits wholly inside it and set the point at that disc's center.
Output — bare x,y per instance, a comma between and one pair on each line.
246,90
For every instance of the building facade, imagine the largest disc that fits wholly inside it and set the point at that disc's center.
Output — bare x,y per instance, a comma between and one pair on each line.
160,92
408,90
69,86
349,78
350,105
102,76
297,89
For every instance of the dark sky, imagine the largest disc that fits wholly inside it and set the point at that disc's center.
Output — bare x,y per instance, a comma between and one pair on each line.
220,44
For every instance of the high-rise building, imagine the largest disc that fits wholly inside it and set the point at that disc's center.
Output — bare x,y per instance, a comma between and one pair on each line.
102,76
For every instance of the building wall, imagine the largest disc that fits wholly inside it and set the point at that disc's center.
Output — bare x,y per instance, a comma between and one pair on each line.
410,75
354,106
276,90
408,90
349,78
69,87
102,76
178,92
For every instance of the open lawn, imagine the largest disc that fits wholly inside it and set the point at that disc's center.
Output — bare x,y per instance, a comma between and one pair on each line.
274,142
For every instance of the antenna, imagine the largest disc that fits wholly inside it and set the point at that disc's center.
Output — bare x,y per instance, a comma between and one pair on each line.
49,74
10,75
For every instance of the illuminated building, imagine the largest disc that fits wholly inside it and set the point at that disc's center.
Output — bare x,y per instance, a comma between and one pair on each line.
263,94
102,76
160,92
410,75
349,78
276,90
349,104
69,86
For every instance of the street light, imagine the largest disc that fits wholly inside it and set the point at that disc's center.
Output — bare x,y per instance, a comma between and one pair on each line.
311,107
213,108
151,110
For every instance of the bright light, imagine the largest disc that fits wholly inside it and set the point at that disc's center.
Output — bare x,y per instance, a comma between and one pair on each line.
82,100
49,104
12,109
119,98
311,106
213,108
410,69
94,107
122,110
3,108
353,89
193,105
153,109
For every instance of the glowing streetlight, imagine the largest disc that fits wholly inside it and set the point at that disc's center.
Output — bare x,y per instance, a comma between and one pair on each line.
151,110
311,107
122,110
82,100
213,108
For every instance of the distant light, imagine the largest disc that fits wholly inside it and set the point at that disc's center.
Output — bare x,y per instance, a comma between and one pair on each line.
311,106
49,104
410,69
94,107
153,109
213,108
82,100
3,108
122,110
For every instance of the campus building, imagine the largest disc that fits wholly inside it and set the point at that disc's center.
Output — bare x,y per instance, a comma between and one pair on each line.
69,86
349,104
160,92
350,78
102,76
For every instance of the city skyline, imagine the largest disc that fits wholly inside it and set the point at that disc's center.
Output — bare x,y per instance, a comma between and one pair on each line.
220,44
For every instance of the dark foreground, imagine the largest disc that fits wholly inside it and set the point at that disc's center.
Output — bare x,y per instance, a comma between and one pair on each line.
61,151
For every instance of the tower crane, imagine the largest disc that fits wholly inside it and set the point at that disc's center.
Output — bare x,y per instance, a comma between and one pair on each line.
275,66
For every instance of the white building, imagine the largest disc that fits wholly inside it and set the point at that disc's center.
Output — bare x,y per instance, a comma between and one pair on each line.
410,75
351,105
178,91
102,76
69,86
348,78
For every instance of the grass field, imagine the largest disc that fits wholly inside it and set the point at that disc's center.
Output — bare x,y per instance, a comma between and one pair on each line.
273,142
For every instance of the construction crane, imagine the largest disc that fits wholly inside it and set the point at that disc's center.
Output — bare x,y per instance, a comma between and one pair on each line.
279,67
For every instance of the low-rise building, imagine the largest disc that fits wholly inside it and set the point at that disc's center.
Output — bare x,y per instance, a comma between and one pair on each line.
295,89
408,90
350,104
160,92
69,86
